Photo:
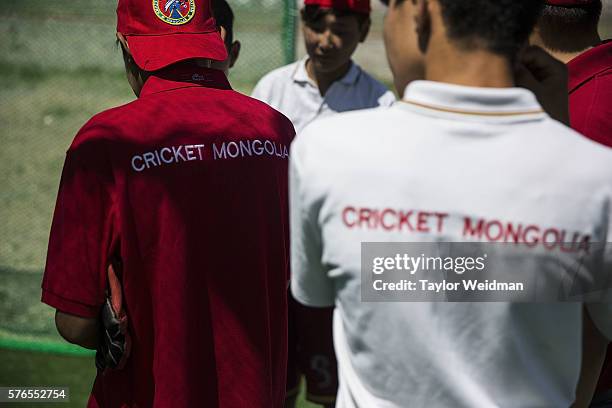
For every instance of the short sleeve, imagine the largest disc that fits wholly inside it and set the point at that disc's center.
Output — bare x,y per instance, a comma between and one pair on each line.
261,90
387,99
83,233
310,283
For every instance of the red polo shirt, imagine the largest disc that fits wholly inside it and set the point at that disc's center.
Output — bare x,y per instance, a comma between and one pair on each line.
188,184
590,93
590,99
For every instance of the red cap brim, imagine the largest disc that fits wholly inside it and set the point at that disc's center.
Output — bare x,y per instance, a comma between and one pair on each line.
153,52
356,6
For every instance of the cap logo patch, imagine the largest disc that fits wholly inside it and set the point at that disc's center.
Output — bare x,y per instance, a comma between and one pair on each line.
175,12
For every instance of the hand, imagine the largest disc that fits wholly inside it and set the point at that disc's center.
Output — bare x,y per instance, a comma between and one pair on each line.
546,77
114,345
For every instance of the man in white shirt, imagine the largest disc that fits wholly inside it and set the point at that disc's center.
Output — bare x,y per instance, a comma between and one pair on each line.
465,144
327,80
324,83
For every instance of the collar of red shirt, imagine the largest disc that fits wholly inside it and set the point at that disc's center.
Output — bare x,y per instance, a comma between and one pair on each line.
184,76
589,64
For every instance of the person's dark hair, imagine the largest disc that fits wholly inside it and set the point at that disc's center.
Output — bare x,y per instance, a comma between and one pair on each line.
501,26
568,29
225,18
312,13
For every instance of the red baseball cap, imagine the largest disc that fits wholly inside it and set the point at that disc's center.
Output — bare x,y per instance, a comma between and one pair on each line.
569,3
162,32
357,6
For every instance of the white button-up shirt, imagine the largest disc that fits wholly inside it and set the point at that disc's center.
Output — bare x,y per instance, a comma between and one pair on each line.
483,153
289,90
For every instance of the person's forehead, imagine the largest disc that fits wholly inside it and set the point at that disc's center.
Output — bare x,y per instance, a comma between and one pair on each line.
331,17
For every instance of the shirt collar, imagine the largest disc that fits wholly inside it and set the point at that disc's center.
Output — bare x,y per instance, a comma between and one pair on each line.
184,76
495,103
300,75
589,64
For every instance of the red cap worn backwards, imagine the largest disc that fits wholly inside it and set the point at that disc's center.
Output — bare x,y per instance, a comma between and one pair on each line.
569,3
162,32
357,6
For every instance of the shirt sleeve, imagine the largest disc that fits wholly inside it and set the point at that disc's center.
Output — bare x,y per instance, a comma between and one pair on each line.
83,234
310,283
261,91
387,99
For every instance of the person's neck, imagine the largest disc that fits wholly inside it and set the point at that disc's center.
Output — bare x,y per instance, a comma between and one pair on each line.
323,80
566,57
479,68
581,41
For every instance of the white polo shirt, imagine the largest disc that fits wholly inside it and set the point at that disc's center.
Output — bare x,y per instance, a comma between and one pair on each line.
289,90
461,151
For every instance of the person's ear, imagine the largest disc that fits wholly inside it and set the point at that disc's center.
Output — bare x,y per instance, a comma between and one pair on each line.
535,38
222,32
123,41
135,76
422,20
234,53
129,60
364,29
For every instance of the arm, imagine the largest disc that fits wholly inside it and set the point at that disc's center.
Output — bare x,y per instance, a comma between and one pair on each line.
316,345
81,233
310,283
594,346
78,330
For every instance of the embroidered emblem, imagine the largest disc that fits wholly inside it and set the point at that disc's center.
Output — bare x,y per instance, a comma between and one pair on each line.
175,12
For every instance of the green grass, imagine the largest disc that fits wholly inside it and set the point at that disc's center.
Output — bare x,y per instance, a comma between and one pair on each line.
26,368
22,368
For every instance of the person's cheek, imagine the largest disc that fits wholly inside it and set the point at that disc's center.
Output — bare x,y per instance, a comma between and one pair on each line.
337,41
310,41
392,50
352,42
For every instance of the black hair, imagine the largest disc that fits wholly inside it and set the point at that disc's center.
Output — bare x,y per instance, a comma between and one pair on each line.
312,13
567,29
500,26
225,18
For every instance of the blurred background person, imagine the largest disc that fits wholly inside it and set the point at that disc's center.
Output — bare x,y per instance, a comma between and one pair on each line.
327,80
568,29
324,82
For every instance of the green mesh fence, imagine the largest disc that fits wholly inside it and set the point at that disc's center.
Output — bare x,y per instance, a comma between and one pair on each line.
59,65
